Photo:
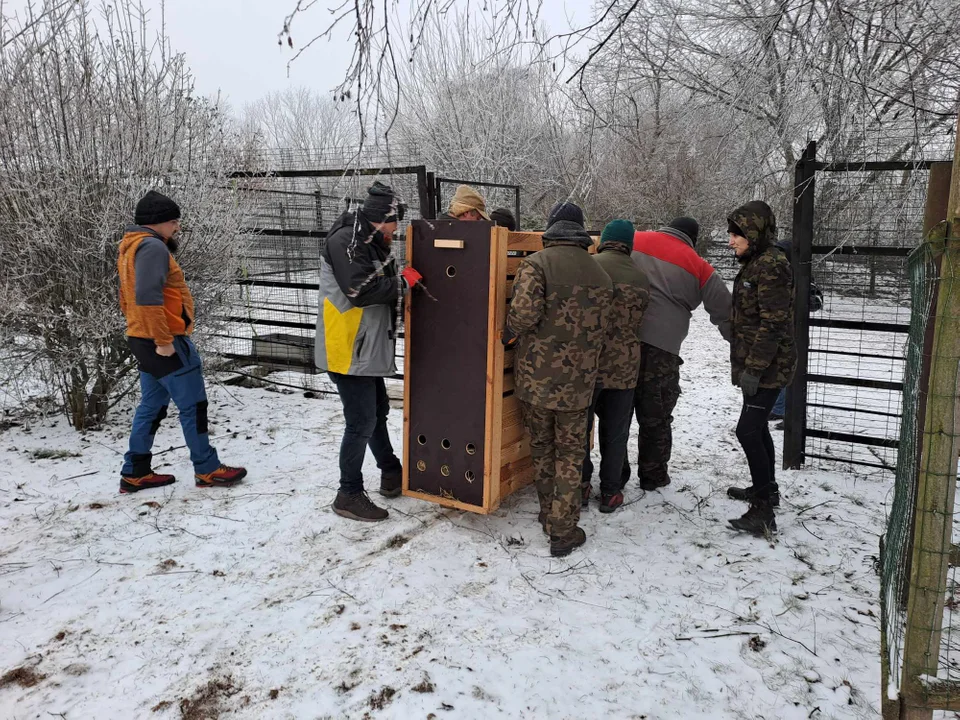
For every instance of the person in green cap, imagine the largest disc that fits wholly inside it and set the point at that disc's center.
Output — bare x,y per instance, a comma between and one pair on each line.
619,364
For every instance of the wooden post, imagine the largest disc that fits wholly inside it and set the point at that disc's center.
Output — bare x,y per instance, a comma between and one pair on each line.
938,194
795,418
933,525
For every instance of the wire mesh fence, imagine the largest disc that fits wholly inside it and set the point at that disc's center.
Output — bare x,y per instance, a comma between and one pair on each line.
920,592
271,317
865,225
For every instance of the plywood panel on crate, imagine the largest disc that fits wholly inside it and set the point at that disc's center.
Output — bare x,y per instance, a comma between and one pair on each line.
446,369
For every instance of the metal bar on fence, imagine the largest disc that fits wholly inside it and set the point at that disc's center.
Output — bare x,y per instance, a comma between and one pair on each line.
853,438
874,166
847,461
340,172
855,382
795,418
285,232
848,353
865,250
860,325
857,410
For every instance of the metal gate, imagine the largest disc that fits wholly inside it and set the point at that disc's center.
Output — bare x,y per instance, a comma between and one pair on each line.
854,226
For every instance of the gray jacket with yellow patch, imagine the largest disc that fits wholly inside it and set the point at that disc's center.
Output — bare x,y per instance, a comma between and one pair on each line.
359,299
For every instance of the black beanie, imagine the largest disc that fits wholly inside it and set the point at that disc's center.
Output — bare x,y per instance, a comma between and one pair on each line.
688,226
381,204
155,208
504,218
565,211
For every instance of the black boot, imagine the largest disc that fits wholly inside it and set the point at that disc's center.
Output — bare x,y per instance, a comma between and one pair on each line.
758,520
563,546
651,484
747,494
358,507
391,483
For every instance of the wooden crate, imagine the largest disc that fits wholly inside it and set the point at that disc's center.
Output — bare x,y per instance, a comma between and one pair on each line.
464,443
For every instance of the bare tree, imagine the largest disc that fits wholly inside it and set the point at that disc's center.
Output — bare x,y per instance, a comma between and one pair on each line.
94,114
301,126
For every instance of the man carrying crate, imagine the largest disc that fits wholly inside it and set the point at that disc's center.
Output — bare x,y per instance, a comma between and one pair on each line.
558,317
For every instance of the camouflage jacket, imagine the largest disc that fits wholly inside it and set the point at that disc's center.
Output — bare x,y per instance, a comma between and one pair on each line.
762,315
561,301
620,361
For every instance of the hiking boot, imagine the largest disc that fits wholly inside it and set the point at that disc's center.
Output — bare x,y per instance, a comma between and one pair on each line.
650,485
391,484
358,507
779,426
223,476
748,494
585,490
130,484
758,520
609,503
563,546
774,417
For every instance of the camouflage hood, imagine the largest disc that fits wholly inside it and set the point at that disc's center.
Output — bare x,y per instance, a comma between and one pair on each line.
566,232
757,224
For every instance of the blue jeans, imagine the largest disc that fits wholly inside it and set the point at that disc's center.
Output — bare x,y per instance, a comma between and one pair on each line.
780,407
365,407
185,387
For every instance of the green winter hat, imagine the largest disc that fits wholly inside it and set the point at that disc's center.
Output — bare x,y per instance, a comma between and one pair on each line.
620,231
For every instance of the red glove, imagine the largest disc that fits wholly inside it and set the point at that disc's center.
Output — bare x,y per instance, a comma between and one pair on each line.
411,277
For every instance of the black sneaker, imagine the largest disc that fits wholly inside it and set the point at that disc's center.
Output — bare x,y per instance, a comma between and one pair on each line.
561,547
747,494
358,507
758,520
391,484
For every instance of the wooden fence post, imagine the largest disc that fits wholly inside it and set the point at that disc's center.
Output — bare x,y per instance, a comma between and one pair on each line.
936,492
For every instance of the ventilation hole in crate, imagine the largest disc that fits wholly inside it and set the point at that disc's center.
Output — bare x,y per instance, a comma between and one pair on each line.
451,271
422,439
445,470
421,465
471,449
469,476
445,444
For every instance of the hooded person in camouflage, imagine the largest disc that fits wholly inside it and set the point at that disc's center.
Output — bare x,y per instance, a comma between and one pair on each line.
619,363
763,355
558,316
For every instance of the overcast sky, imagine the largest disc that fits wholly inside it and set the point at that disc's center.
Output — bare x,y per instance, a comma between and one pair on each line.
231,45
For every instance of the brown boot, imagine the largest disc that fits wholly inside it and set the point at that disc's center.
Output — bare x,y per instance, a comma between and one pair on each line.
563,546
358,507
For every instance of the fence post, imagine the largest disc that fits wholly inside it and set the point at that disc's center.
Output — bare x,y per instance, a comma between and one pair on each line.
431,209
423,192
937,482
795,418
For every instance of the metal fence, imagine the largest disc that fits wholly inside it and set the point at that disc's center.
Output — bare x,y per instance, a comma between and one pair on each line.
854,226
270,320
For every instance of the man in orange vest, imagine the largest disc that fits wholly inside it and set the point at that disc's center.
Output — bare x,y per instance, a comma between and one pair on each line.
158,307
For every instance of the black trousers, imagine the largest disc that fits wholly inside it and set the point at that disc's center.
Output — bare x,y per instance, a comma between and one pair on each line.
753,432
614,411
365,408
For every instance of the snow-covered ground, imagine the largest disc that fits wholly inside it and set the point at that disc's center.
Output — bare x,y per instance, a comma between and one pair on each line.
259,602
